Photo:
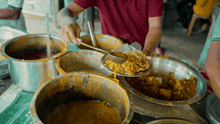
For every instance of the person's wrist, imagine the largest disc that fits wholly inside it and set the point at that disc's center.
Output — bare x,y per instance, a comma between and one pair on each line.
147,52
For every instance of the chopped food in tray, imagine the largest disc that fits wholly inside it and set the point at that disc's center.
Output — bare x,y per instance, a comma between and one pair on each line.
164,88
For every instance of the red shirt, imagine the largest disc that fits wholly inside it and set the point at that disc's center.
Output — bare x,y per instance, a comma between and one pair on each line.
125,19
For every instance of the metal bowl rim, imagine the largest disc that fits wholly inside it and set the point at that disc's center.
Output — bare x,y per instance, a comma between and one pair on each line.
105,35
57,62
39,60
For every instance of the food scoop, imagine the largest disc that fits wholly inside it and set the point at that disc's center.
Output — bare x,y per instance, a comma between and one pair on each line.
123,49
116,57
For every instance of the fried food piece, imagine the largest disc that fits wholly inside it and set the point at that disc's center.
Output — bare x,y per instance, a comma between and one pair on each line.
152,90
165,94
178,85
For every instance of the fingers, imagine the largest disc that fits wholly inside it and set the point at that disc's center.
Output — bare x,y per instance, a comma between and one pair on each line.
71,33
149,57
78,30
64,35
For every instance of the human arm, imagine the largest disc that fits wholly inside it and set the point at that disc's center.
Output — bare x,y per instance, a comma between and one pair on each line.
154,34
70,30
13,11
212,66
65,15
10,13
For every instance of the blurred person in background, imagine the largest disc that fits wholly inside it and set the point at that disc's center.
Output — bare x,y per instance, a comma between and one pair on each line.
203,56
11,14
129,20
159,50
186,8
212,64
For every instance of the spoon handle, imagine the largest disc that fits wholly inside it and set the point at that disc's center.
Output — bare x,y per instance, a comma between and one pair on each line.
91,34
48,35
94,48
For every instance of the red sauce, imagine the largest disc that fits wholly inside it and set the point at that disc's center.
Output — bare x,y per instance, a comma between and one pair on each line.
35,56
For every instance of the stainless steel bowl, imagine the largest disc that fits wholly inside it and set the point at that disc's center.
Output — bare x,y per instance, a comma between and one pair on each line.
82,60
164,65
74,87
29,74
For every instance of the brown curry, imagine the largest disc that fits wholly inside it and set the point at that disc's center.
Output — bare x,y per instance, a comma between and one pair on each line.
84,112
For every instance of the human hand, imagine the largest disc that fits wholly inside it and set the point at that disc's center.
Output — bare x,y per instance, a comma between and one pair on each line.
147,53
71,33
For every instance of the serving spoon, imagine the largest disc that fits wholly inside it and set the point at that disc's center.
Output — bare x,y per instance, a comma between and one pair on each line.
116,57
48,35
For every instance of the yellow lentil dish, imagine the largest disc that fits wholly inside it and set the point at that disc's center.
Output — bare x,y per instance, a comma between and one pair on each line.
164,88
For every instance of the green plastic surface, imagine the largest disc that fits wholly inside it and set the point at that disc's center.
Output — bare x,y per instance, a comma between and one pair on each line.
18,112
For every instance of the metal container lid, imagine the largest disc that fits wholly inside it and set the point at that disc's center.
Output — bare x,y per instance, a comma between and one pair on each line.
213,109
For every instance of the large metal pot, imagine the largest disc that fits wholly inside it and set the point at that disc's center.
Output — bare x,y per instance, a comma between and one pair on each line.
83,60
29,74
74,87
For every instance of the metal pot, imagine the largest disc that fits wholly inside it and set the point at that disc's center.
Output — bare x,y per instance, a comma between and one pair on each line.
29,74
79,86
83,60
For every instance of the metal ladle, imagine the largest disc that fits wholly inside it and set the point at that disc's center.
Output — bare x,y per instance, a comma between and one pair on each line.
116,57
48,35
94,43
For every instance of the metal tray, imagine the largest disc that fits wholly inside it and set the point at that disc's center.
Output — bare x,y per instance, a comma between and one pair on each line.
162,66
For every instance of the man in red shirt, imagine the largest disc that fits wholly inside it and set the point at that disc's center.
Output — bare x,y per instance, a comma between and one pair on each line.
129,20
